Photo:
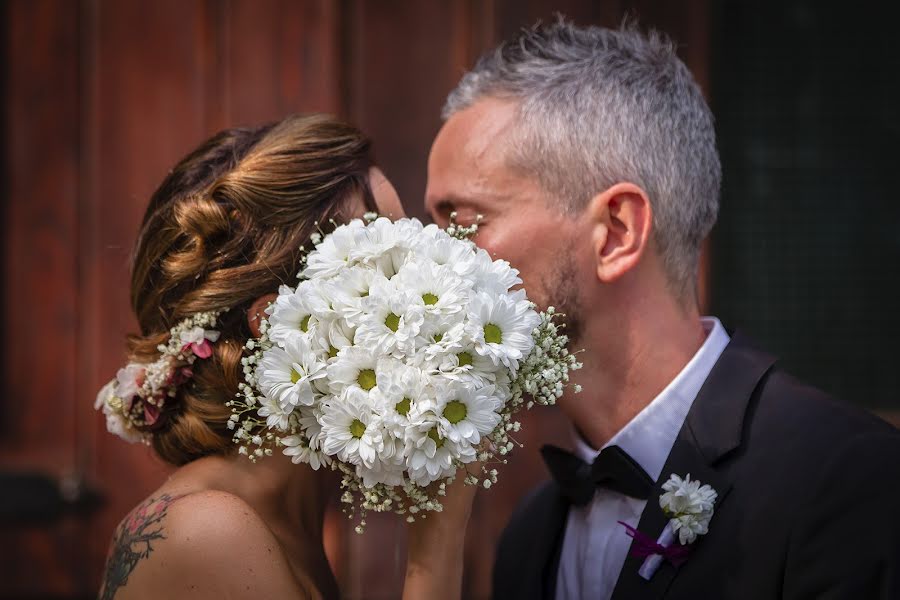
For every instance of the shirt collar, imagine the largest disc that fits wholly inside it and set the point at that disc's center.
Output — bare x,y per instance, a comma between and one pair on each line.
649,436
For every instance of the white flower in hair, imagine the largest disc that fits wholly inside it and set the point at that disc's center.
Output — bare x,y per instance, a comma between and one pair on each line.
129,380
133,402
113,411
288,373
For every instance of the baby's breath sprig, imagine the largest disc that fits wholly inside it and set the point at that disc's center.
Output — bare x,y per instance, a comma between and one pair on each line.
461,232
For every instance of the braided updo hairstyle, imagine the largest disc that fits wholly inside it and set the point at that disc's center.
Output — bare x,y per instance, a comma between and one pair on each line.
225,228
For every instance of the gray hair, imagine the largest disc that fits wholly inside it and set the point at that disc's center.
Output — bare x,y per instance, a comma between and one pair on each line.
597,107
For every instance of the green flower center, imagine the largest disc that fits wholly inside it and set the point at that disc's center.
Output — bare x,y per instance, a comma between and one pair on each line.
392,322
357,428
455,411
492,334
304,324
438,337
465,359
295,376
438,440
366,379
364,294
429,299
403,406
332,352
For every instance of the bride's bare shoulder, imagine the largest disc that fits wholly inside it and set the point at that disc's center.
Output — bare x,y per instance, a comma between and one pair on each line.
206,544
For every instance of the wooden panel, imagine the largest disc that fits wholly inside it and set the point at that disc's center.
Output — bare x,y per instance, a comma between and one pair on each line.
280,57
40,272
145,109
400,68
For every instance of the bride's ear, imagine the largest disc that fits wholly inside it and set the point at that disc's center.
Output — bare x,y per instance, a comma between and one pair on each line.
257,312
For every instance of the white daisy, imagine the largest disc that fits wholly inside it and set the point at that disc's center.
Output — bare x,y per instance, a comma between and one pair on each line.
386,244
298,449
349,289
441,290
393,318
492,276
332,254
296,311
274,413
503,326
400,388
466,414
431,456
287,374
350,428
352,367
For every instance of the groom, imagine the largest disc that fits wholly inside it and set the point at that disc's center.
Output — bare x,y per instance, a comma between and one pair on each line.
590,155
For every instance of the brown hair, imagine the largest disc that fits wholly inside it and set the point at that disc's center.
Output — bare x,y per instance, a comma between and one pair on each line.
224,228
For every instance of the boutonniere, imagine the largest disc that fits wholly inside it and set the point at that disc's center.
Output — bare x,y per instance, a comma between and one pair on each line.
689,506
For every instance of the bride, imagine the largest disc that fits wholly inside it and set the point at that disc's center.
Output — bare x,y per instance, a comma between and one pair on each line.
220,235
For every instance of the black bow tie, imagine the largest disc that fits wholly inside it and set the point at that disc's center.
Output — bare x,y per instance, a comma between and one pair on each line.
613,469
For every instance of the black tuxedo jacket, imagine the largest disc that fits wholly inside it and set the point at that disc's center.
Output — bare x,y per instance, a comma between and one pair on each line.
809,498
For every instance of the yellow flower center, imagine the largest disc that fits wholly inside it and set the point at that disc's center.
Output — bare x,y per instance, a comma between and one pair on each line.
332,352
357,428
392,322
304,324
455,411
403,406
438,440
366,379
492,334
429,299
295,376
465,359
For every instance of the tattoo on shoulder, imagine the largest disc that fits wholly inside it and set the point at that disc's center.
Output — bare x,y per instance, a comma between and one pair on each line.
133,542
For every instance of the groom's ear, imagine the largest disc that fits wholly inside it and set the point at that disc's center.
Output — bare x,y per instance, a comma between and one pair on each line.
257,312
622,222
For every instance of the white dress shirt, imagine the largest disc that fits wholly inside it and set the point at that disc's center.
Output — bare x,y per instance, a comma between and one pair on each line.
595,545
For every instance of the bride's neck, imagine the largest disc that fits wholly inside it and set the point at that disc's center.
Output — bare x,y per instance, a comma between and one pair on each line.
284,493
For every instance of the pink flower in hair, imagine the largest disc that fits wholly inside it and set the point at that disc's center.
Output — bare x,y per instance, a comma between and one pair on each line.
199,341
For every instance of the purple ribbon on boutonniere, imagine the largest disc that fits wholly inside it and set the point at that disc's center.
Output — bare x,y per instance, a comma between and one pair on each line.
645,546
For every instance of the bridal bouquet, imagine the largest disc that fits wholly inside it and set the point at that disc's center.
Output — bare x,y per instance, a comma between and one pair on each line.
400,357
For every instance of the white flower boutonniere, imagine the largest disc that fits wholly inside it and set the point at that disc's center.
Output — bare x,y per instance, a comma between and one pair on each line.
689,506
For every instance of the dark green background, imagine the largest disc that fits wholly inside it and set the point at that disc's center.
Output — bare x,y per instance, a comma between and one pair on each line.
806,253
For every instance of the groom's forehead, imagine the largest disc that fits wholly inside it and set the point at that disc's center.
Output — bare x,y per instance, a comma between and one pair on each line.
476,134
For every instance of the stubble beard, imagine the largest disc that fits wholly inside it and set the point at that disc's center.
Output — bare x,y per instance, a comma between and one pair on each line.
561,292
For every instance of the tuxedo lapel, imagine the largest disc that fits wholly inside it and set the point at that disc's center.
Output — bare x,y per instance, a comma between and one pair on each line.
529,557
712,429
